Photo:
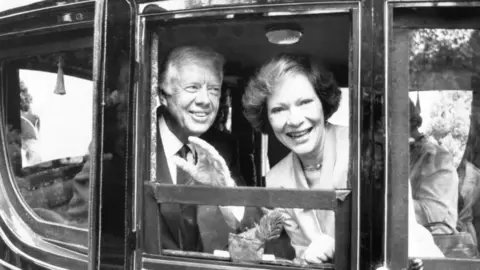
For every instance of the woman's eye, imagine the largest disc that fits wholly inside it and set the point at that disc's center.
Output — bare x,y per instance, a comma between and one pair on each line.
306,101
276,110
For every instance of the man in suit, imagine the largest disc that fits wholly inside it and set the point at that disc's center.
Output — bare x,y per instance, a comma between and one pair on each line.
190,90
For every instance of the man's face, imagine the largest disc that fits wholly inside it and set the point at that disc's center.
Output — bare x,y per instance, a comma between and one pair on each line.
192,99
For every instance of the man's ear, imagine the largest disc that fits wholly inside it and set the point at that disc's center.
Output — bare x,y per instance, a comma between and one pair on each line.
161,97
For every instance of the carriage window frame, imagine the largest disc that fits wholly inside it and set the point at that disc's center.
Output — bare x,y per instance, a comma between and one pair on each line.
26,233
147,52
396,118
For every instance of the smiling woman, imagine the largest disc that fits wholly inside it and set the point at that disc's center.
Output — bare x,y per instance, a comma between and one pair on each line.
292,97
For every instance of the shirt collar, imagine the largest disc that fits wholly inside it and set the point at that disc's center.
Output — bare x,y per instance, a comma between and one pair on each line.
171,144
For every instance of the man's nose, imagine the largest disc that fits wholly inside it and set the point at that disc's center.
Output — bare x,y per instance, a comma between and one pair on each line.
83,176
202,95
295,118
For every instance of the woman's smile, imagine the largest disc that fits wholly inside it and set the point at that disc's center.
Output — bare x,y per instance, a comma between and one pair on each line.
299,135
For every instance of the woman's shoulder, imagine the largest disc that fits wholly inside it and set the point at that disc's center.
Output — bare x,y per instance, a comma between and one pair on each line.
340,137
340,132
279,174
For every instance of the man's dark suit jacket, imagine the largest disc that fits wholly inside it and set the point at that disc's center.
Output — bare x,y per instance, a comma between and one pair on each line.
160,223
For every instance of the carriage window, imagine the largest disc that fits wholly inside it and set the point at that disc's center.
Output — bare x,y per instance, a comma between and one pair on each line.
49,130
444,169
266,102
438,67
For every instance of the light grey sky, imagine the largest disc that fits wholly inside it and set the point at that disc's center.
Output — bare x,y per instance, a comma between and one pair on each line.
66,120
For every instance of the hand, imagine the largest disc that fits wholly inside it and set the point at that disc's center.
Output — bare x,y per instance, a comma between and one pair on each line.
320,250
211,169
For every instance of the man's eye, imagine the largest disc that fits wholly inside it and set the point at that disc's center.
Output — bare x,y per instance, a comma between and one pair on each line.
214,89
192,88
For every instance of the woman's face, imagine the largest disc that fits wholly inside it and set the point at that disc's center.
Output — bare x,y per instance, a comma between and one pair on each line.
296,115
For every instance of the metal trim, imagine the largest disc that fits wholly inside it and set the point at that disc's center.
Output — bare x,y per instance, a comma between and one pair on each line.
139,39
395,247
98,79
46,9
138,189
356,194
253,6
17,250
294,8
250,196
181,263
9,266
154,103
386,31
63,27
429,3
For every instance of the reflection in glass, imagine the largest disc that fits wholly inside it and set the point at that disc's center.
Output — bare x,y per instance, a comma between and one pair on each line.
49,133
444,174
54,126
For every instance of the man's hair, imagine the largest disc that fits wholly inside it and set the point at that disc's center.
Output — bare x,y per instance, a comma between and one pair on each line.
185,55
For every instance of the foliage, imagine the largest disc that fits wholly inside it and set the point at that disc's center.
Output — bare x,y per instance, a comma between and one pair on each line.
448,58
438,48
450,121
443,50
269,228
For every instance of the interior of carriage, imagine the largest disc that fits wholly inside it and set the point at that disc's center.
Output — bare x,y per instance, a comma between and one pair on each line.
246,46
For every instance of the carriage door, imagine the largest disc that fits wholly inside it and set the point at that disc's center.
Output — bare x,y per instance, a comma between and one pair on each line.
432,126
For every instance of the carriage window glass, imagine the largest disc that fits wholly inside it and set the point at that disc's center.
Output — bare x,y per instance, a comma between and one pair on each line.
444,168
207,81
49,130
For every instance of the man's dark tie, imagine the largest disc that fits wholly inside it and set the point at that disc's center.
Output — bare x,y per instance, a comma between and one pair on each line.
188,232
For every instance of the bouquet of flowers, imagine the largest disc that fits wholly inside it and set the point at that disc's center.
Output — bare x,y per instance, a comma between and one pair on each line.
249,245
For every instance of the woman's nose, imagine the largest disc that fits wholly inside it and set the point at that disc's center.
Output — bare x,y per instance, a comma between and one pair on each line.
295,118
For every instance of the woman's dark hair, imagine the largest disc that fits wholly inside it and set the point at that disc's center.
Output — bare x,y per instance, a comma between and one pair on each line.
262,84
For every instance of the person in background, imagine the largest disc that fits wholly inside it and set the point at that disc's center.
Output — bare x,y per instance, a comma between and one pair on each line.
420,240
433,178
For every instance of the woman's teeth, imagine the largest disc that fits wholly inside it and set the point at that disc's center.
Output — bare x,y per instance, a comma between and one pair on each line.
199,114
299,134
